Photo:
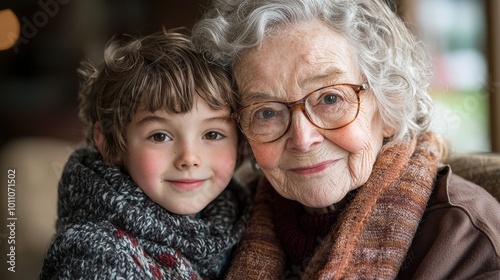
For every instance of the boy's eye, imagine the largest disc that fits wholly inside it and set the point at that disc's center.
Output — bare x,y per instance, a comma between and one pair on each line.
213,135
160,137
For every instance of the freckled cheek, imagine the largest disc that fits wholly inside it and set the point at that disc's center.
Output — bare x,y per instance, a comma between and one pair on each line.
351,139
267,155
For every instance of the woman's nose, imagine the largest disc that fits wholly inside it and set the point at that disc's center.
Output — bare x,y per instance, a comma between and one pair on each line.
188,157
303,135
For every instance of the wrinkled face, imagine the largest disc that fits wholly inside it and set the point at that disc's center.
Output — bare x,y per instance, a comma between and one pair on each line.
313,166
182,161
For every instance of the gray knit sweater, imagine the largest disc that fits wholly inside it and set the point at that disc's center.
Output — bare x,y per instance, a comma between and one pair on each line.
109,229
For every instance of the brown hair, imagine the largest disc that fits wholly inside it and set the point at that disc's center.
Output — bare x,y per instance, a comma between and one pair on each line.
159,71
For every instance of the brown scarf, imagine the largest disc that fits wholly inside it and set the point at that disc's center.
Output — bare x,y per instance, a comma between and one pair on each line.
371,238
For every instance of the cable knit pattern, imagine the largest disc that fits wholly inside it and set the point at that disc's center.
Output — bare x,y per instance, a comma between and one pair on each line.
108,228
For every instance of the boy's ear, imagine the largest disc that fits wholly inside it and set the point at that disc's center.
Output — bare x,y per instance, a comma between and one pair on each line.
99,138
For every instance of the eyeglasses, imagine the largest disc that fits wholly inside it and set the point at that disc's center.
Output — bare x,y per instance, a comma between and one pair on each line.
331,107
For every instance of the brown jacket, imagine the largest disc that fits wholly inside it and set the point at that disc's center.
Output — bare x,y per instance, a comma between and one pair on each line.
459,235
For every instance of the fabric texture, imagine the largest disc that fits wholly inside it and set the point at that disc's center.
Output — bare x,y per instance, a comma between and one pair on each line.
373,233
459,235
481,168
108,228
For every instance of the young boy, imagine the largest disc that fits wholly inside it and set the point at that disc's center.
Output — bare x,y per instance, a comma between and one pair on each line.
152,195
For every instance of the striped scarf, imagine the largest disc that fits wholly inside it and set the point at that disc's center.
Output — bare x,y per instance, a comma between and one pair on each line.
108,228
373,233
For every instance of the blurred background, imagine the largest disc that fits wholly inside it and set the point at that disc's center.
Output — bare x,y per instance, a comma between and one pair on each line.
43,41
38,80
41,45
455,33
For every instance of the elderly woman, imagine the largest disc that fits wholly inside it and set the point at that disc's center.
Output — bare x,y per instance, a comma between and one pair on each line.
336,112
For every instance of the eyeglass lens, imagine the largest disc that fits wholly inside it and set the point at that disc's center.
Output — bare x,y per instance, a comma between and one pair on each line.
327,108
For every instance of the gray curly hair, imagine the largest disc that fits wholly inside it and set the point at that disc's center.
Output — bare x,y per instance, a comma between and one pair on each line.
392,60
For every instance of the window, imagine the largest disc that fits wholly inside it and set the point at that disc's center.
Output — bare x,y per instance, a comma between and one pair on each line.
454,33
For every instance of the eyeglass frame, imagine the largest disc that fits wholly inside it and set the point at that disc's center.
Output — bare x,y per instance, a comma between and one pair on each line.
301,104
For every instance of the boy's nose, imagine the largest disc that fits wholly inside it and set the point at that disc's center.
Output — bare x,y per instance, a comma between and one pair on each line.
188,158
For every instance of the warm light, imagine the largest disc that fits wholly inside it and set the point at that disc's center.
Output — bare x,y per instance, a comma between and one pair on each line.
9,29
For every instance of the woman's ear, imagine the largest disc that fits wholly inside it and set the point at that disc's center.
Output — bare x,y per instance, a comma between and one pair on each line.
99,138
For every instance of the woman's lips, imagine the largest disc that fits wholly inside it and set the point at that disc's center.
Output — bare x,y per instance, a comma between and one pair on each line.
314,168
187,184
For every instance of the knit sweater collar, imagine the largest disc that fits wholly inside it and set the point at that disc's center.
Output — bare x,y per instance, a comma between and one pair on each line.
300,231
92,192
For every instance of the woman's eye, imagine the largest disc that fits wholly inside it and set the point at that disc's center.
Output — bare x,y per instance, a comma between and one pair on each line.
330,99
213,135
160,137
265,114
